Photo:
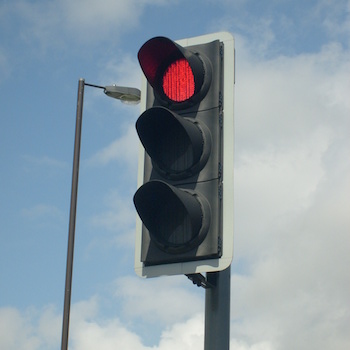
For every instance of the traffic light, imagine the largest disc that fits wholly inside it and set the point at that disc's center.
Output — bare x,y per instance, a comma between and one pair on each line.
185,195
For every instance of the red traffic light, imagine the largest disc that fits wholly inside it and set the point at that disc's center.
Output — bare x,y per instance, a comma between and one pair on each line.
176,74
178,81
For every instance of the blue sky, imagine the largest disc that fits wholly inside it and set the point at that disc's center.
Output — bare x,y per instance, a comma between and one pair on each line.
290,278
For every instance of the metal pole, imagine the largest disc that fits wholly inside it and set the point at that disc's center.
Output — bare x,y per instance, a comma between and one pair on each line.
72,216
217,311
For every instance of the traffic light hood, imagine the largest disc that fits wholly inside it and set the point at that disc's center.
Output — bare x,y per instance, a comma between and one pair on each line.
170,69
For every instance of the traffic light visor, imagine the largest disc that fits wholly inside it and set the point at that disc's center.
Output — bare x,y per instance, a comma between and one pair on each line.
177,74
177,146
177,220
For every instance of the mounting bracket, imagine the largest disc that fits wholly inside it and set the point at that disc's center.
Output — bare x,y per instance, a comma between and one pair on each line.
199,280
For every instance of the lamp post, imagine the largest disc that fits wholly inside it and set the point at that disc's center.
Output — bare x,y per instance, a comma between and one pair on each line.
127,95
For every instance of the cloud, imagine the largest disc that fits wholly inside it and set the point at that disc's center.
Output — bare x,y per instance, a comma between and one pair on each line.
124,149
31,329
108,335
118,218
40,329
275,187
54,22
275,27
119,214
44,161
159,301
124,71
291,122
42,212
241,345
89,16
283,99
335,17
186,335
292,202
13,330
91,21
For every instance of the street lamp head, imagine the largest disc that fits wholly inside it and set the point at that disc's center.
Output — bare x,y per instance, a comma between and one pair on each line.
125,94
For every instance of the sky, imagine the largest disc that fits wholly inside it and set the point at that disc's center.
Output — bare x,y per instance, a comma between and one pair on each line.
290,280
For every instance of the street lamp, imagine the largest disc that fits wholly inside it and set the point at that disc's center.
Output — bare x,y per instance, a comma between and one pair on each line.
127,95
124,94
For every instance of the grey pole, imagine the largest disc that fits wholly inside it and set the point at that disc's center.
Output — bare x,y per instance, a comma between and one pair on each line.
72,216
125,94
217,311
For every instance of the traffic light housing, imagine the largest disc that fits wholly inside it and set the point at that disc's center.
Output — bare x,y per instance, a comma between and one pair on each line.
185,207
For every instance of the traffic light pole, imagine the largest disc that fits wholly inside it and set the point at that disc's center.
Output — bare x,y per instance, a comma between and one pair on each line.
217,311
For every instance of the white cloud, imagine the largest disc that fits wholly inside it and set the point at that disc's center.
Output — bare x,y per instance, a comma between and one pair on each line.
104,336
111,333
282,100
123,149
49,327
241,345
335,16
54,22
118,218
118,214
32,329
42,21
186,336
44,161
41,212
276,186
93,19
160,301
292,202
13,330
291,115
124,71
40,330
